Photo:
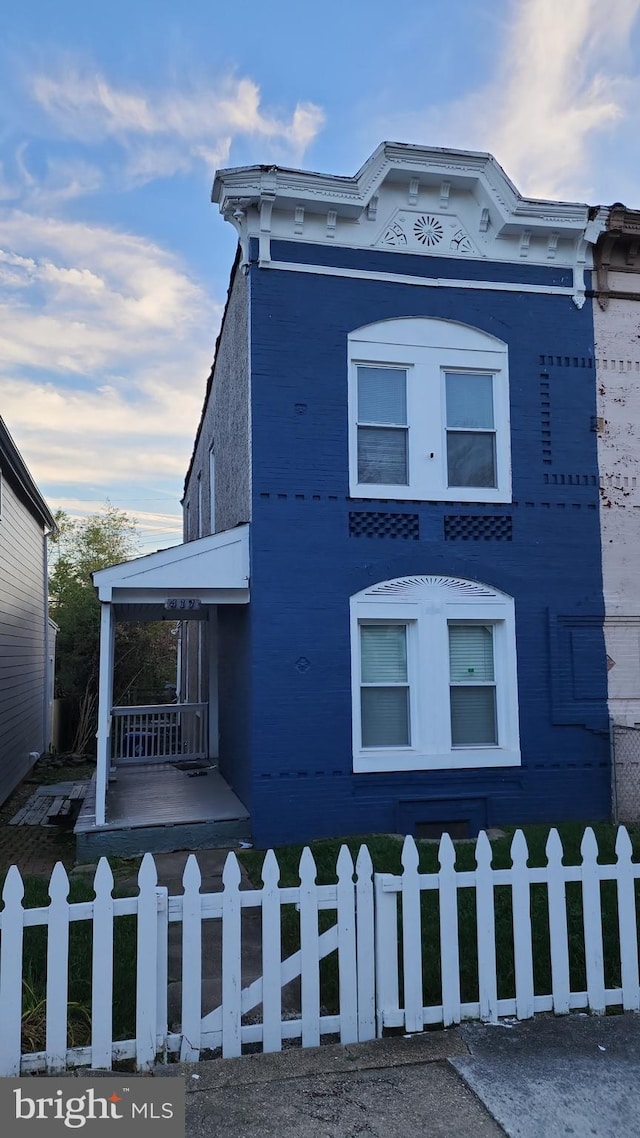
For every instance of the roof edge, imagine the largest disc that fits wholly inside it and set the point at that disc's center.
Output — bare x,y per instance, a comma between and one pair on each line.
10,455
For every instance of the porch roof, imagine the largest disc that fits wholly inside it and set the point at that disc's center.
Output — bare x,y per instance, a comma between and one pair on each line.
210,570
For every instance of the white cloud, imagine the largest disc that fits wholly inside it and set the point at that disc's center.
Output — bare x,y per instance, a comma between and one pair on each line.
168,131
105,344
89,298
559,87
105,337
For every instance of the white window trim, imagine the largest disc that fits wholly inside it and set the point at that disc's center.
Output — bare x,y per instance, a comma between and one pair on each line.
428,348
426,605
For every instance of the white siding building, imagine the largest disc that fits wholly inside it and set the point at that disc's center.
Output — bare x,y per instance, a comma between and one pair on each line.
25,634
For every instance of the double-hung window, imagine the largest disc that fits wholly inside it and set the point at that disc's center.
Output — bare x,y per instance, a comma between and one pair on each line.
429,412
434,676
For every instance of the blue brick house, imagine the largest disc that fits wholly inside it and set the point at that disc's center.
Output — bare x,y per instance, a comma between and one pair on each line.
400,421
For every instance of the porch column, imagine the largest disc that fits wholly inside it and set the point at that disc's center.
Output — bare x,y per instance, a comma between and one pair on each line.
105,701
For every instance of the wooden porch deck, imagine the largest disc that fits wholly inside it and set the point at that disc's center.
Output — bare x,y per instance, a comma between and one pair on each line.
160,807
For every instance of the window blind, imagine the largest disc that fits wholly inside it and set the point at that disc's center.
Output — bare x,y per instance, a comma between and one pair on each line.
469,400
472,690
382,396
385,690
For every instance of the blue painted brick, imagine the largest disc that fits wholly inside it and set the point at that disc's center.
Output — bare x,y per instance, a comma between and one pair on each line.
295,723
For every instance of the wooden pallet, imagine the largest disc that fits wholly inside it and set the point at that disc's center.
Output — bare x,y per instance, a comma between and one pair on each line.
57,801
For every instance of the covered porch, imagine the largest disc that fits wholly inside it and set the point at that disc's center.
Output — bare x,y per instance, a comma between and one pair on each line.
157,764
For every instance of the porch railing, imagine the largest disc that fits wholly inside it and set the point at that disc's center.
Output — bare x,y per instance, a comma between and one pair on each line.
157,733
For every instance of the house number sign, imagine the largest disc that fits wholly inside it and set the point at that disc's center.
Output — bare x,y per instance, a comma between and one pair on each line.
182,604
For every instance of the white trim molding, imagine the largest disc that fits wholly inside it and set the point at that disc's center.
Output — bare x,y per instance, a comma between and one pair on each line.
427,607
423,282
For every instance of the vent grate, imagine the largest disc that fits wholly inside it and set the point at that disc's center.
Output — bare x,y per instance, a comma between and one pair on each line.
478,527
366,523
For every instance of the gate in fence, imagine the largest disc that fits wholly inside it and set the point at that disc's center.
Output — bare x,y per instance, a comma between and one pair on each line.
364,953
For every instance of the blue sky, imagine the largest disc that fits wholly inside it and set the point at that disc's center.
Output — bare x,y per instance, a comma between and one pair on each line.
113,118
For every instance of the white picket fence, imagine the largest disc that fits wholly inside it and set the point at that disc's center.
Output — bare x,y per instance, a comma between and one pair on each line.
378,933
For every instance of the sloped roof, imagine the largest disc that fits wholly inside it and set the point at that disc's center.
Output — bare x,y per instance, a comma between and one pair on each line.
217,563
13,465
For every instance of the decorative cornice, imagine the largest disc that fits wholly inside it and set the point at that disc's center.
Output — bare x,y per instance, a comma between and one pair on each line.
617,250
398,178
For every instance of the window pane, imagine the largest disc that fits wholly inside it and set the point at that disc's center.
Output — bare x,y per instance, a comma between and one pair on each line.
473,717
469,400
470,653
382,395
382,455
385,717
384,653
471,458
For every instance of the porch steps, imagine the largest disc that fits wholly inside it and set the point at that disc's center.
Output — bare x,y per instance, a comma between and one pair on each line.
92,844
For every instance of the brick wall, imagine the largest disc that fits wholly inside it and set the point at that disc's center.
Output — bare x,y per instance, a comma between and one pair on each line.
543,549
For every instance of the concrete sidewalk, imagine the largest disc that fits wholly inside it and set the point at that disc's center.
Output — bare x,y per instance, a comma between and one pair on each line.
386,1089
557,1076
543,1078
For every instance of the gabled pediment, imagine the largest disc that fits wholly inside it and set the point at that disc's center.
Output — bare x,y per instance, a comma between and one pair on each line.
219,562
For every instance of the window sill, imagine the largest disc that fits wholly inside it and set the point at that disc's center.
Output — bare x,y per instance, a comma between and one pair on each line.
461,759
477,494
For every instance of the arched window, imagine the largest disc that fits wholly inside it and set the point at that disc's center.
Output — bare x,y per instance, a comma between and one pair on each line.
434,676
429,412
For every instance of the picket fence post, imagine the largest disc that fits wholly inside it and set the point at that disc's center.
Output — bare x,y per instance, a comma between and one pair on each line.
347,974
558,934
57,971
191,962
309,956
592,920
521,914
146,979
411,937
386,952
365,955
231,959
271,955
449,947
627,923
11,942
486,930
102,968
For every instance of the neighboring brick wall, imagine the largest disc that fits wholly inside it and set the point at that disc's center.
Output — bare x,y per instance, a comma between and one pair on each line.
225,426
306,564
617,336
